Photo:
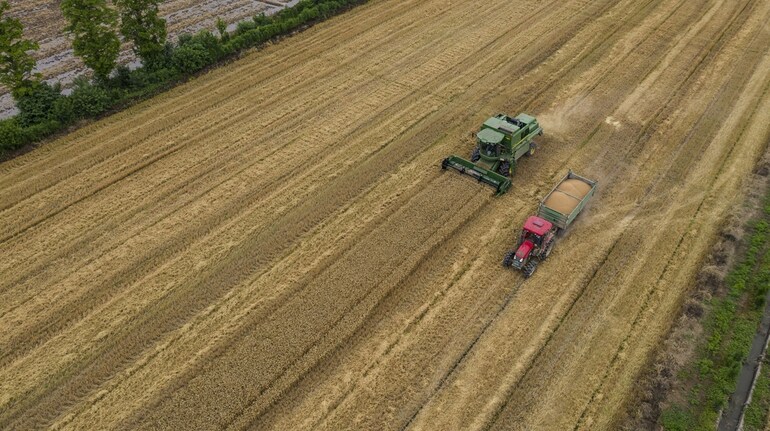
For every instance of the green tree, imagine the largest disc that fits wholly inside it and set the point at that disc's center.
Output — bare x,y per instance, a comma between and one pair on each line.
93,24
140,23
16,64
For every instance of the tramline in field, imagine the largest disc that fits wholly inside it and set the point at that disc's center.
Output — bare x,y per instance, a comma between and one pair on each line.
556,212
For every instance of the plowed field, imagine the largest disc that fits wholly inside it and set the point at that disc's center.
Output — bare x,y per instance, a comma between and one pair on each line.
273,245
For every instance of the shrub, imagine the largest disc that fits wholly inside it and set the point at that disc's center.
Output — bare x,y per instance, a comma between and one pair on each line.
64,110
222,29
190,58
89,100
245,26
42,130
11,135
36,102
261,19
196,52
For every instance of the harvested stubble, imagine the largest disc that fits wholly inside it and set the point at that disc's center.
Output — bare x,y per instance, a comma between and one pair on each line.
200,261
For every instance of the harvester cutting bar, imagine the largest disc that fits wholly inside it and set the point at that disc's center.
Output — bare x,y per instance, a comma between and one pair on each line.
499,182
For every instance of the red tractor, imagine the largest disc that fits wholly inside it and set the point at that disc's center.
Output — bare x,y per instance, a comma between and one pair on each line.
535,244
556,212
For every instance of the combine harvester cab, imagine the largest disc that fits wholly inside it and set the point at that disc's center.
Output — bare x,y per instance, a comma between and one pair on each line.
500,143
555,213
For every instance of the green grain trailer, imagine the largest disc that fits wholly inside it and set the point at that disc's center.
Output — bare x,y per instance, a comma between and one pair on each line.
500,143
560,218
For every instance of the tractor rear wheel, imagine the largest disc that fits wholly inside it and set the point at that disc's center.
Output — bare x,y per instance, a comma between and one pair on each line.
547,250
475,155
508,259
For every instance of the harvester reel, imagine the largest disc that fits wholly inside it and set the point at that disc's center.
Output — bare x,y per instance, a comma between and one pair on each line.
508,259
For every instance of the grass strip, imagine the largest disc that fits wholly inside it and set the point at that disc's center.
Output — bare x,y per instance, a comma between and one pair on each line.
730,323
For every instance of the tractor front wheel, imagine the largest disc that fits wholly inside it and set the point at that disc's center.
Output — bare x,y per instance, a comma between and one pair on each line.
508,259
530,268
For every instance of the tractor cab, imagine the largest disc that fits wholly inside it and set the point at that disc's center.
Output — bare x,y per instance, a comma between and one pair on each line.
535,237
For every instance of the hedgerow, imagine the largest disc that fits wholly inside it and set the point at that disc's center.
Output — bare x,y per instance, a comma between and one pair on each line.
44,111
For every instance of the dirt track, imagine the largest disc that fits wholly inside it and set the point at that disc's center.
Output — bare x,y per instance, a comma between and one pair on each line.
273,246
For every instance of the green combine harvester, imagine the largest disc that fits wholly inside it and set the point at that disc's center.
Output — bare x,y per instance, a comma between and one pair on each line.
501,141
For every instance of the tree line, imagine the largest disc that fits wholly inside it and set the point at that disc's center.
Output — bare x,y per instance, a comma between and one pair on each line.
95,29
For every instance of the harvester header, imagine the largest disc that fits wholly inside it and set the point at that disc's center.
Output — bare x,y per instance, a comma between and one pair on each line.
500,142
